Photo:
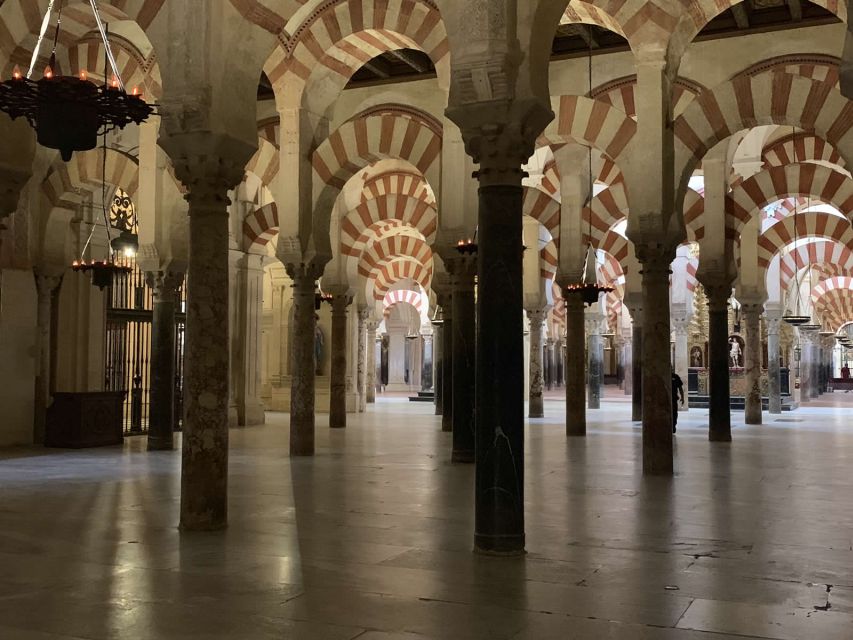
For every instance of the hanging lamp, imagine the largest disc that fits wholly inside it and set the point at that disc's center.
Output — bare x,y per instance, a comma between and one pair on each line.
69,112
796,319
812,324
588,287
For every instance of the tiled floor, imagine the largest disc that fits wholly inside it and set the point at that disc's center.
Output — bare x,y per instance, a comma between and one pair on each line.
371,539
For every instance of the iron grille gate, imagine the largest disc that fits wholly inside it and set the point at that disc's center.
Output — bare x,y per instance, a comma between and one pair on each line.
130,304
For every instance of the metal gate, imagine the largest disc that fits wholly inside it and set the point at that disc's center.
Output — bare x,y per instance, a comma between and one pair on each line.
130,303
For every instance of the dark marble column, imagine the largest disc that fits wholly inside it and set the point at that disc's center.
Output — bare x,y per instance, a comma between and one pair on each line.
774,372
463,270
499,491
656,365
719,413
161,422
537,321
752,362
447,365
204,471
575,365
338,374
47,290
595,351
438,367
303,381
637,372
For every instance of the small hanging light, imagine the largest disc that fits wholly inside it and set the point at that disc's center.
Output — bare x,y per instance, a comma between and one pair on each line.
796,319
69,112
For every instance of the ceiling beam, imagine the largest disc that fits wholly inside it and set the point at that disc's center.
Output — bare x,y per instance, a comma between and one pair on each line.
379,67
586,34
410,60
741,16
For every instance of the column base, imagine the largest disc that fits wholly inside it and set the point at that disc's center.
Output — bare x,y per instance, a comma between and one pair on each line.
719,437
502,546
201,525
161,444
462,457
539,414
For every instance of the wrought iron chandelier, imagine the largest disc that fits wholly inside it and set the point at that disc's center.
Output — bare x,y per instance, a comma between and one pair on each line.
796,319
68,113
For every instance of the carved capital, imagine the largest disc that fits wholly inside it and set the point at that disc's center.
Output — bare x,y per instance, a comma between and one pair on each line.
462,270
165,284
537,317
304,275
655,258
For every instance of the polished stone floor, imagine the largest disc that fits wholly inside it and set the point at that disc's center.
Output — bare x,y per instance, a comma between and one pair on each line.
372,538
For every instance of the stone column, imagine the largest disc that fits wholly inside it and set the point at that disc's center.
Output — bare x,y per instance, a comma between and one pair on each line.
447,371
47,289
575,365
752,361
303,367
817,359
548,368
656,365
774,370
628,361
338,375
719,413
361,362
427,363
681,324
161,422
370,381
246,340
463,270
438,359
595,347
204,471
537,384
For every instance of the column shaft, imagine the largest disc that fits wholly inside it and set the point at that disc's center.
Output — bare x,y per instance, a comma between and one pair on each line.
303,367
774,371
656,366
637,373
499,485
361,361
537,383
46,288
447,372
438,355
752,362
596,368
161,422
464,358
204,470
575,365
338,374
719,412
370,380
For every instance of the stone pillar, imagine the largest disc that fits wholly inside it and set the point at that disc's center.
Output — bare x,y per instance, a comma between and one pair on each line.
537,384
161,422
628,361
370,379
204,471
595,348
47,290
447,363
361,361
427,363
575,365
548,369
719,413
303,367
816,359
438,359
752,361
774,370
681,324
656,365
463,270
338,374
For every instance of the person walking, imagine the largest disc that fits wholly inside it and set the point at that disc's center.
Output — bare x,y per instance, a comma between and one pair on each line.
677,393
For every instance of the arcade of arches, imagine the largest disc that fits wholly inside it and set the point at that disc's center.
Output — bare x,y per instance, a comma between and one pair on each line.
361,224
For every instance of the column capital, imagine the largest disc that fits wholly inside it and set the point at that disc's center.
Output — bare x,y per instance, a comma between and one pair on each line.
340,302
537,316
363,314
303,272
164,283
47,280
462,270
752,309
654,257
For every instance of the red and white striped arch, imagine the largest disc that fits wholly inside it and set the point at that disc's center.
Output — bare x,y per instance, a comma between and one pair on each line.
379,252
549,261
265,162
85,171
590,122
403,296
832,284
768,98
694,209
339,37
833,301
578,12
369,139
546,210
260,227
395,270
269,129
398,183
617,246
356,225
800,147
814,66
808,225
692,270
607,209
815,253
621,93
804,179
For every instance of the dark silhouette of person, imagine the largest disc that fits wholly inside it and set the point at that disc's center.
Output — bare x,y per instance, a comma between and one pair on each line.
677,393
